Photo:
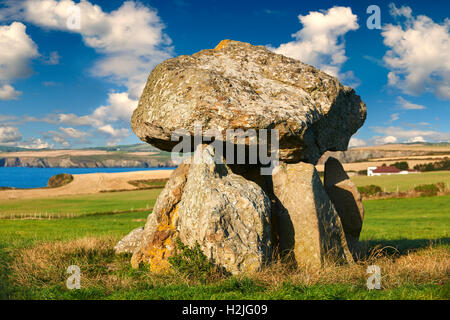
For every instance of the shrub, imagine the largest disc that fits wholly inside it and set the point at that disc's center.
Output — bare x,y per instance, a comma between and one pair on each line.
59,180
427,189
193,263
434,166
441,186
362,172
369,190
401,165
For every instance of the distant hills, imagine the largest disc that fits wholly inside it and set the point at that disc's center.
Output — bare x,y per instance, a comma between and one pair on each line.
126,156
137,147
144,147
142,155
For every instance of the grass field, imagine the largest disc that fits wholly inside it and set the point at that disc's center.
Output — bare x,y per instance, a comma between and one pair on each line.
403,182
79,205
34,255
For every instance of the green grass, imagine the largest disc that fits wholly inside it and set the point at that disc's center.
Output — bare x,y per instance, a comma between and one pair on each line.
404,223
407,223
82,204
21,233
404,182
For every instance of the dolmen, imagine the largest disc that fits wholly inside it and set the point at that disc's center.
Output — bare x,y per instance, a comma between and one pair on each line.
250,126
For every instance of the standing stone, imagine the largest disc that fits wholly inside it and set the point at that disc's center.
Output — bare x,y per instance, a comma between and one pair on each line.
160,230
309,228
241,86
347,200
226,214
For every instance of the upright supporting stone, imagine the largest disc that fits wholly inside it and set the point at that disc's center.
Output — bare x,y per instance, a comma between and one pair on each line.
309,228
347,201
206,203
159,233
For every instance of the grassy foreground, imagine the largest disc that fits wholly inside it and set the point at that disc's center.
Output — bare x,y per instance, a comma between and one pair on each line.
34,256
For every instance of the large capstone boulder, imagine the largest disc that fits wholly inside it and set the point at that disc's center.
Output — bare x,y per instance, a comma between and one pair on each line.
309,229
241,86
206,203
347,200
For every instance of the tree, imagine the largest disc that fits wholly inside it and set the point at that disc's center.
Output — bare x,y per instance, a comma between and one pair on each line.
401,165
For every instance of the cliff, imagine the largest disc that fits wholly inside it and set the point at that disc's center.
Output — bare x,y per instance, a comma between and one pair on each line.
106,160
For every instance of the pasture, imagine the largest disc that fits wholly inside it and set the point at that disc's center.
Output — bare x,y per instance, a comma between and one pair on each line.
389,183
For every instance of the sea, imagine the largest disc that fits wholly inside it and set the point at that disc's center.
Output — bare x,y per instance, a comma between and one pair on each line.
24,178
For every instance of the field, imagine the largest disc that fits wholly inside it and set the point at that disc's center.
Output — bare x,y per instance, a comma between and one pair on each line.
407,238
86,184
69,206
403,182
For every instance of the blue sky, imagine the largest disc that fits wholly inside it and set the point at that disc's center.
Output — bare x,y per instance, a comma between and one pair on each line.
68,85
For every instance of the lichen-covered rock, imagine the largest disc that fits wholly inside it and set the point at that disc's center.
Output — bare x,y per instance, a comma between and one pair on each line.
309,228
347,200
130,242
207,203
241,86
160,230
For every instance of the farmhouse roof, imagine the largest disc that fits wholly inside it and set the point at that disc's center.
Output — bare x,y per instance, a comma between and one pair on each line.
386,169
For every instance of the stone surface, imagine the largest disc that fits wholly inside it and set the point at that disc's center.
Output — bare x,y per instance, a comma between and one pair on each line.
207,203
130,242
160,229
309,228
241,86
346,199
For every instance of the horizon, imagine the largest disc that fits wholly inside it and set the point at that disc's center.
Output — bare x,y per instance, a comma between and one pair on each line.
19,149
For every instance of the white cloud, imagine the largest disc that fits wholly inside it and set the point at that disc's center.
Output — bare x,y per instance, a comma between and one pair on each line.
74,133
16,50
131,38
118,110
59,138
356,142
9,135
33,143
72,120
320,41
7,92
405,104
419,55
130,41
394,117
120,107
383,140
7,118
417,139
404,135
115,135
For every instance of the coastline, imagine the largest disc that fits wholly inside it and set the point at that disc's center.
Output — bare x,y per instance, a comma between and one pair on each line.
89,183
